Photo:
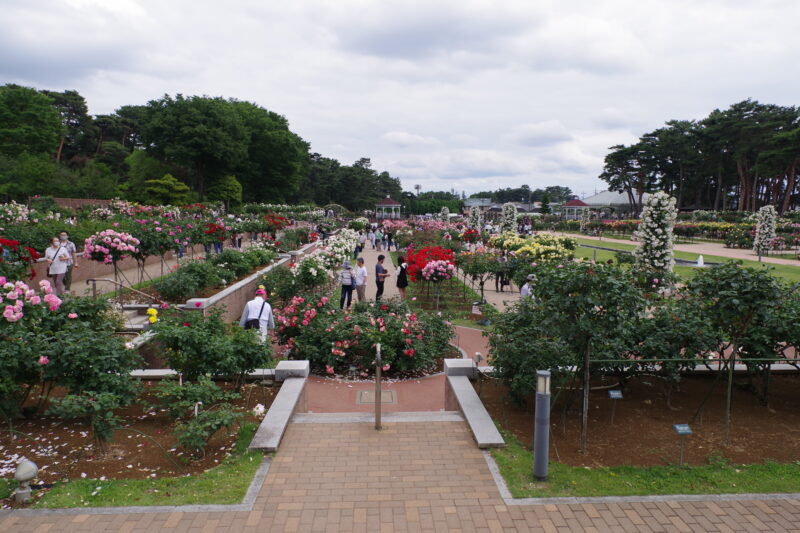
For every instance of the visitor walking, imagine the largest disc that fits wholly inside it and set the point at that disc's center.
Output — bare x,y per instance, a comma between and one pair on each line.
380,276
257,314
72,252
378,239
371,237
361,280
402,277
57,258
362,240
347,280
500,274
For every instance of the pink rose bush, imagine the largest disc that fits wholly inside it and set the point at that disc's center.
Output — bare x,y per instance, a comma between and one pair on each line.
335,341
438,270
110,246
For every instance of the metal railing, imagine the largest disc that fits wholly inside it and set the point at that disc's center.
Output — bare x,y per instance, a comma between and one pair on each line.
94,281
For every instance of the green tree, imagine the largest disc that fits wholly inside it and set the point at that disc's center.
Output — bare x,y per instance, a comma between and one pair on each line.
28,122
227,190
276,157
203,135
78,141
167,191
739,302
545,209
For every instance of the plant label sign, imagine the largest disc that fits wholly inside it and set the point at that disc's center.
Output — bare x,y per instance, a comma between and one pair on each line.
682,429
615,394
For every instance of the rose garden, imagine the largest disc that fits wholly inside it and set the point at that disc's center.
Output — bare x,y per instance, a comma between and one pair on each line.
146,390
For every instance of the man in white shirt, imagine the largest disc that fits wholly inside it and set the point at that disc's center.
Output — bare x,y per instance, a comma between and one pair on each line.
257,314
361,280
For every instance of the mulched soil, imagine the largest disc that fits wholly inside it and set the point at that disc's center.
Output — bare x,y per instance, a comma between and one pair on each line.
642,433
65,449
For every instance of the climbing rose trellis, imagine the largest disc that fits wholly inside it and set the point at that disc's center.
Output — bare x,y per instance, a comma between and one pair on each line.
655,233
509,222
766,218
586,217
475,217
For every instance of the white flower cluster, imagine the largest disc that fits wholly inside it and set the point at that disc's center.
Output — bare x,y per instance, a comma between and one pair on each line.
509,221
475,217
655,233
766,218
340,248
444,214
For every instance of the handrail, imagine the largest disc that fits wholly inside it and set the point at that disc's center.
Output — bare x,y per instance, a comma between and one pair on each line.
94,281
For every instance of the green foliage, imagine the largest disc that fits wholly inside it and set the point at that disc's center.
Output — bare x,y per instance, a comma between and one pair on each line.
179,399
280,284
167,191
223,484
576,309
189,278
195,432
240,263
196,345
332,339
28,122
83,356
96,409
717,477
227,190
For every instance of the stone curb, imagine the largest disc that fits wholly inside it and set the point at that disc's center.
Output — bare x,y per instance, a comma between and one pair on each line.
247,503
578,500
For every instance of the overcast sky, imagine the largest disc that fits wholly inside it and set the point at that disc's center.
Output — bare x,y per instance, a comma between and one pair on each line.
465,95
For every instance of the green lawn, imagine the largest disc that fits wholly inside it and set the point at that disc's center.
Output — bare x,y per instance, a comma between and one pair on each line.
789,273
224,484
716,477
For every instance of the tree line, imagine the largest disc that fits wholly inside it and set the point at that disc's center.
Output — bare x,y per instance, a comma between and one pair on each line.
740,158
175,149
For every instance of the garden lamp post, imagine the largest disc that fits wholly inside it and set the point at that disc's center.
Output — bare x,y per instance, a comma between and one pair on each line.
541,426
25,473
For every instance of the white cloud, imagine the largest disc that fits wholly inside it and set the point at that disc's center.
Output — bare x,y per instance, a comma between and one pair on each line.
464,94
403,139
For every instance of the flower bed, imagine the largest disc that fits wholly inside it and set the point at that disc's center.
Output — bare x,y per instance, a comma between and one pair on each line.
334,341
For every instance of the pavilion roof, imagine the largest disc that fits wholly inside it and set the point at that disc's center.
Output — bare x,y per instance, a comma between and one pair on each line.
386,201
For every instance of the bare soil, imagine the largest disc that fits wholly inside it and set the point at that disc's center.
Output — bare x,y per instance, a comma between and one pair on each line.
145,448
642,432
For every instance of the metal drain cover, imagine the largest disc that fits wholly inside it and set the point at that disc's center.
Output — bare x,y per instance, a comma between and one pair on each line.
368,396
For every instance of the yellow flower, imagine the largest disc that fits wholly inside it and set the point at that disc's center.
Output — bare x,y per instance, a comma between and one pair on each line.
152,319
152,312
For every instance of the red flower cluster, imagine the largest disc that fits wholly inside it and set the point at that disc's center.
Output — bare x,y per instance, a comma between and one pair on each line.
12,252
275,222
471,235
417,259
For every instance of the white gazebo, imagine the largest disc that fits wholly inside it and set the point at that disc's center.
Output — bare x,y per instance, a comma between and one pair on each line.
387,208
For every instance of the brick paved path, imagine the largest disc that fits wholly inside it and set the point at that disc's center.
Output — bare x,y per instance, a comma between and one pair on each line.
416,476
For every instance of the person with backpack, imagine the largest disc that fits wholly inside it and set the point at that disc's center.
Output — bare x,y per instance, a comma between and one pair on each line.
257,314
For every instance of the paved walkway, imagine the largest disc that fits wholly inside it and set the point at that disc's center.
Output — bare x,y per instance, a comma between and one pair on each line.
704,248
414,476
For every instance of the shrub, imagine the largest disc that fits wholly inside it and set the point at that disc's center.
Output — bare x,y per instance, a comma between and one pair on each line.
332,340
191,277
280,284
179,399
194,433
195,344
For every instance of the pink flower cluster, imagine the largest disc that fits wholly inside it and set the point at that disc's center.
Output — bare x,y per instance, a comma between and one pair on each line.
21,294
109,246
438,270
